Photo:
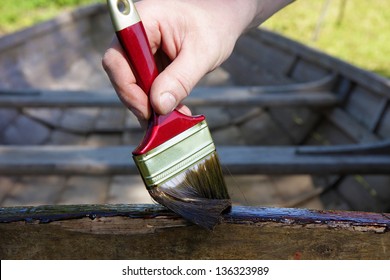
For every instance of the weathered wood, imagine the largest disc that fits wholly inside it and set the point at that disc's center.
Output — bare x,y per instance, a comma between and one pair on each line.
13,40
350,126
78,160
376,148
152,232
58,51
234,96
255,97
376,83
66,54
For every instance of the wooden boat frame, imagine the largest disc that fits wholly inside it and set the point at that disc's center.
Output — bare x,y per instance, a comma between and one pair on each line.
73,232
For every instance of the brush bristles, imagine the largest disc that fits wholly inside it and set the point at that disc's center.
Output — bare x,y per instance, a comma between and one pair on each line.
199,194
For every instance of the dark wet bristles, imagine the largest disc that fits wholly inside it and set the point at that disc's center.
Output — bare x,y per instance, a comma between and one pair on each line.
199,194
184,175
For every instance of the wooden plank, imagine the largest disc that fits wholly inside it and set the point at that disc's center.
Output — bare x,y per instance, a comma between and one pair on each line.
24,131
111,119
34,190
262,129
350,126
381,111
79,120
378,148
7,116
85,189
10,41
152,232
77,160
363,105
307,71
293,95
384,128
298,122
60,137
378,84
50,117
237,97
6,186
128,189
366,193
262,54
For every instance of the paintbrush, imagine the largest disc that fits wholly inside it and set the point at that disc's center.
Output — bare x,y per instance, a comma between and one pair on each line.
177,157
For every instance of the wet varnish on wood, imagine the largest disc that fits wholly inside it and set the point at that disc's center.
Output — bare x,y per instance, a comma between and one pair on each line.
152,232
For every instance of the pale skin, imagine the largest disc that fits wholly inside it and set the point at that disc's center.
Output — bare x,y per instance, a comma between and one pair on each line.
189,39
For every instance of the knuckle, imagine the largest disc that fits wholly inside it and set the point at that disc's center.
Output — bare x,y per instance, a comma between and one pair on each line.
185,84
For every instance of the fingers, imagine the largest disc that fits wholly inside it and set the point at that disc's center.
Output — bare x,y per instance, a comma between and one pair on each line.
175,82
122,79
188,61
184,109
168,90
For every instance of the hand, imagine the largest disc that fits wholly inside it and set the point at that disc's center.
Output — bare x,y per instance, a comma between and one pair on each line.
189,39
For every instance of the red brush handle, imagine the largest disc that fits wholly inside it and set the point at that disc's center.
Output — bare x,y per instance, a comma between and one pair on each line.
135,43
136,46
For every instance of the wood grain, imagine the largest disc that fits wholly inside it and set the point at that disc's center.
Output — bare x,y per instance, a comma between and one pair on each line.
293,95
79,160
152,232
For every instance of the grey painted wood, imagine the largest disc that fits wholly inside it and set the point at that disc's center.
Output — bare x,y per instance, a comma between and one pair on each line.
229,96
76,160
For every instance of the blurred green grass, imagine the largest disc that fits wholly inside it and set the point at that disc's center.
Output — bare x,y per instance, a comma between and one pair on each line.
355,31
15,15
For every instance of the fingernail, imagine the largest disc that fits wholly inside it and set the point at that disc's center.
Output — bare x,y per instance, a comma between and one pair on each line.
167,102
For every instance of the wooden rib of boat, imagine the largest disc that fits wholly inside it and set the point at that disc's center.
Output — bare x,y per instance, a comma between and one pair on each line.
152,232
275,107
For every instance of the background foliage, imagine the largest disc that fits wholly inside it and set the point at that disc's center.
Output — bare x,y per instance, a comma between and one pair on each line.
356,31
353,30
15,14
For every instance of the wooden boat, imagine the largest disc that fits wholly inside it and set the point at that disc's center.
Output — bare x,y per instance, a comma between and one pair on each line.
279,112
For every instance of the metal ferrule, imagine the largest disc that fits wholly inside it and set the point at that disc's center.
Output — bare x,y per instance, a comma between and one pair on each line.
175,155
123,13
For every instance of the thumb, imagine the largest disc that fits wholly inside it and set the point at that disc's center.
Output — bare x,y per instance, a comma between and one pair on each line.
175,82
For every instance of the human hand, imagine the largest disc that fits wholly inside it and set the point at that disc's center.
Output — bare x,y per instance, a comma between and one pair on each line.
189,39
